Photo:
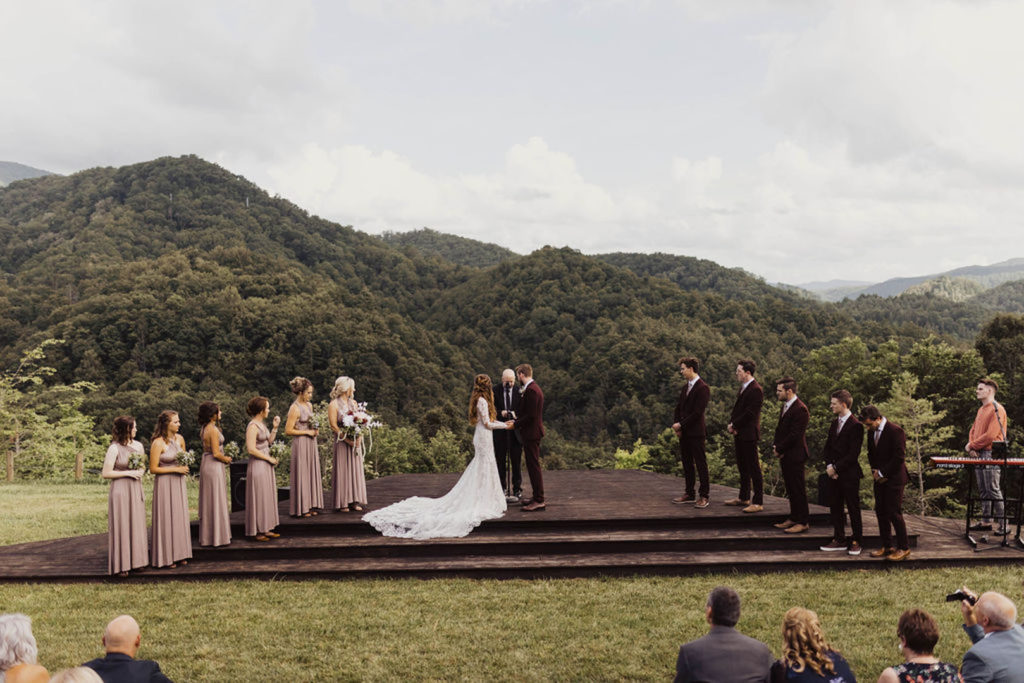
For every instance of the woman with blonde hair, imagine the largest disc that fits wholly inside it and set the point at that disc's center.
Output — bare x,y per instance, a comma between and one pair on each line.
348,481
476,497
807,656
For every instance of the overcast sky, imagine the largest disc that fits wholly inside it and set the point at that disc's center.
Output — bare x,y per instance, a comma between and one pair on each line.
800,140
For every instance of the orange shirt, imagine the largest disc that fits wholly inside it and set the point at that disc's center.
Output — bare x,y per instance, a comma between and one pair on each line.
986,428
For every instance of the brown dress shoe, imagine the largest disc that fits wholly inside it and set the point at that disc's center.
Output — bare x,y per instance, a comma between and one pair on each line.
736,502
683,500
754,507
784,525
534,506
702,503
898,555
797,529
881,552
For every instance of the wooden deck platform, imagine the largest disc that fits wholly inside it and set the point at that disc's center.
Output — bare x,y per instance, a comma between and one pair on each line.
602,522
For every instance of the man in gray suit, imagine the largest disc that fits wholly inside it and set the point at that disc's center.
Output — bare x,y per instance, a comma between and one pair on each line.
724,655
998,650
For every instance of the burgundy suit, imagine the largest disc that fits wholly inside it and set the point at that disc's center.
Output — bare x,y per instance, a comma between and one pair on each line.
842,451
530,424
746,420
888,456
791,444
689,413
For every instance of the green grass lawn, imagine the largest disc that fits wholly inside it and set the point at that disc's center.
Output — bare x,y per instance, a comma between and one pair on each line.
571,629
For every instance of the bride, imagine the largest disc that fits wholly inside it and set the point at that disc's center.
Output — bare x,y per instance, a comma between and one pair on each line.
475,497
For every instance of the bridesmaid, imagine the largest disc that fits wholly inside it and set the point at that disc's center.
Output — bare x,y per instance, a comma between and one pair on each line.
172,540
348,482
261,516
214,519
127,547
307,488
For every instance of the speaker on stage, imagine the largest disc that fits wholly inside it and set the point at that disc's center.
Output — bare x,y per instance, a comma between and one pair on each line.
238,469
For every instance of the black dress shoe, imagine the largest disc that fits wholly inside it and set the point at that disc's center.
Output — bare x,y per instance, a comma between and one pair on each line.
981,527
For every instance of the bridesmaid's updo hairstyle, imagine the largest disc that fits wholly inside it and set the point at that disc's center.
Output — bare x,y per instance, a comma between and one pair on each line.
207,411
163,421
343,386
123,429
257,405
481,389
299,385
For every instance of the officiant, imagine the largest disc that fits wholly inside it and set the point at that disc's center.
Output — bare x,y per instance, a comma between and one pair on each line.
508,444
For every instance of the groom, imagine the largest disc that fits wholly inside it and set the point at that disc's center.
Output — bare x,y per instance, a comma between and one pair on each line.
530,425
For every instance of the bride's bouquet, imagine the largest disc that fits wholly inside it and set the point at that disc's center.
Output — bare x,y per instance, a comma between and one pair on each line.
357,423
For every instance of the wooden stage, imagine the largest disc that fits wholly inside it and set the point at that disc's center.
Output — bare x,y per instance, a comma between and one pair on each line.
600,522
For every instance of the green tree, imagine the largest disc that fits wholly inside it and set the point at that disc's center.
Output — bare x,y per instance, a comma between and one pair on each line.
926,438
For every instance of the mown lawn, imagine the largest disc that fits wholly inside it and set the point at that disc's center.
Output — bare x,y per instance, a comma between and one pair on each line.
573,629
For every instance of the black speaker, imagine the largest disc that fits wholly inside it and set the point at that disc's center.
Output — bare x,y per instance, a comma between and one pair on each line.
238,471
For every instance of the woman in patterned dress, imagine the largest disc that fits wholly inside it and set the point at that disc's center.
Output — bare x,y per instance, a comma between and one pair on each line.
214,514
307,488
172,539
127,546
918,633
348,481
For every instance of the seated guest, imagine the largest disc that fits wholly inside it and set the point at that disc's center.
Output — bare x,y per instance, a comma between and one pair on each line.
18,651
121,640
998,650
724,654
918,633
806,655
80,674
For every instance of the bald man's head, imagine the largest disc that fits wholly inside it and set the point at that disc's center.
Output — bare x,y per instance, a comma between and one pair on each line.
995,612
122,635
508,376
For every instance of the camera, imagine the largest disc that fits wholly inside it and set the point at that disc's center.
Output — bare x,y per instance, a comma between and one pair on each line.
960,595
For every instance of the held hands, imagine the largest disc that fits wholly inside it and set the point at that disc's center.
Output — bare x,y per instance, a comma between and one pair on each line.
510,424
181,470
138,474
776,452
831,471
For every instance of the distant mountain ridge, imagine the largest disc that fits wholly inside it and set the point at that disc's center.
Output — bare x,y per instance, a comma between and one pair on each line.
985,276
462,251
11,171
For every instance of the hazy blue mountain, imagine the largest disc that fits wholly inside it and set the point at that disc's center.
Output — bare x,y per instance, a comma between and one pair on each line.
11,171
986,276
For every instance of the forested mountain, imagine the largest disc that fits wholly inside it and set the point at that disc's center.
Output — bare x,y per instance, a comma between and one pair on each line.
1008,297
11,171
175,281
459,250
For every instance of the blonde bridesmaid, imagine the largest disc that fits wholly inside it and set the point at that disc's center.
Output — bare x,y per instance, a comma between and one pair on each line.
307,489
261,517
127,547
348,482
172,540
214,514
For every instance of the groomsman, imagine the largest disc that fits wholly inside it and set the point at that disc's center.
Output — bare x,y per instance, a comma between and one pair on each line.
507,445
887,447
790,447
745,427
689,427
530,424
842,460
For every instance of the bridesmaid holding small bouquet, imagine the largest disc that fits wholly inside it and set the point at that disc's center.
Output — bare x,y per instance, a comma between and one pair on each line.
348,482
214,514
172,540
261,517
307,489
124,465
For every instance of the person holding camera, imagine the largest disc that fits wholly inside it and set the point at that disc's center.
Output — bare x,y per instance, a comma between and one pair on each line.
988,433
998,649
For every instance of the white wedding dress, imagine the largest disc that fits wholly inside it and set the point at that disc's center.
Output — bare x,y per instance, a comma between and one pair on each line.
476,496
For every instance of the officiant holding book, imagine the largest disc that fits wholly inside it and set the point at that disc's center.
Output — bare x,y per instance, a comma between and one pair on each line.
508,444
